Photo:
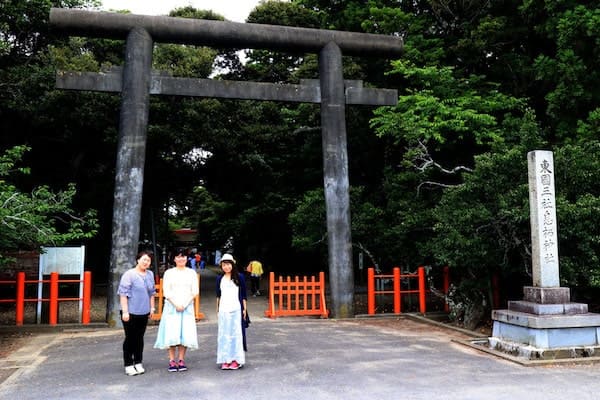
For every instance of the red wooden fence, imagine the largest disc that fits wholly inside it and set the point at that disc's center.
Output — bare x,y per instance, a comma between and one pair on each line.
297,297
53,298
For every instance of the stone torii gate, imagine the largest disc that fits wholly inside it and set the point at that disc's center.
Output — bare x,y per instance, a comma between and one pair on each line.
136,82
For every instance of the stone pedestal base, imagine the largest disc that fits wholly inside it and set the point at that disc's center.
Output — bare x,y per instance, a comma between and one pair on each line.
536,353
547,331
551,295
544,320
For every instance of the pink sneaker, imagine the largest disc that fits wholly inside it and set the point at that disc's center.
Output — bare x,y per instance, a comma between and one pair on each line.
173,366
234,365
226,366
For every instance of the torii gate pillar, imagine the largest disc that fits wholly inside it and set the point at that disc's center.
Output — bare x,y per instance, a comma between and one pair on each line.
335,179
131,156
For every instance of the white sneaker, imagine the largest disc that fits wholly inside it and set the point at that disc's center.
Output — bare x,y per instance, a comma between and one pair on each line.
139,368
130,370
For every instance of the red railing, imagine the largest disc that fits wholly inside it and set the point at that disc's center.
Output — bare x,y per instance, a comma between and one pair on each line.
396,291
53,298
297,297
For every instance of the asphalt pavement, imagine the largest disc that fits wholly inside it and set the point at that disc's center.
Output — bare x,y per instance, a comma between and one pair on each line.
289,358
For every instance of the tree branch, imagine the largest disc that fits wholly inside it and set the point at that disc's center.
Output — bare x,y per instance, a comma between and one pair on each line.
368,253
424,161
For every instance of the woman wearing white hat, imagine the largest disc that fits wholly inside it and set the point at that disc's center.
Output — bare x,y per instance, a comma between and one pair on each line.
231,310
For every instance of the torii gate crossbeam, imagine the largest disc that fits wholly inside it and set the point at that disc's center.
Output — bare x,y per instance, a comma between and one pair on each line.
136,85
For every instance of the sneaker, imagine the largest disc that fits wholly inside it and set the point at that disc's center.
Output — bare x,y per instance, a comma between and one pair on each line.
226,366
130,370
173,366
234,365
182,366
139,368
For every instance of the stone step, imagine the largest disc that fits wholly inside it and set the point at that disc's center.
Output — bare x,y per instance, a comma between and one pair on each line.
552,321
548,309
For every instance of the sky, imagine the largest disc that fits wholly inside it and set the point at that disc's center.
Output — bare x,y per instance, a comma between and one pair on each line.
232,10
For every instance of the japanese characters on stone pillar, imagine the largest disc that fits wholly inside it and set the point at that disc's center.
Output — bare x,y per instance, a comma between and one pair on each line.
544,237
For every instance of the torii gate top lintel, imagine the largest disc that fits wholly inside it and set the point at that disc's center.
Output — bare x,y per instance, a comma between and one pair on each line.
222,33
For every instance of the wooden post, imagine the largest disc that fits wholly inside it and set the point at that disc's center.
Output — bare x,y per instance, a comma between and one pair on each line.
371,291
422,301
397,298
20,298
87,298
53,308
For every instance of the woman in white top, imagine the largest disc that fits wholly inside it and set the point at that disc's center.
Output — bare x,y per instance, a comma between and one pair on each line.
232,310
177,329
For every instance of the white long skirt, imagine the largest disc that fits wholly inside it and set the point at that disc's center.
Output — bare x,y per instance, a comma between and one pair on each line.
230,344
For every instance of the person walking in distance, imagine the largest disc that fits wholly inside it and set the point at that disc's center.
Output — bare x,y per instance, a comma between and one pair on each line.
136,296
177,328
255,270
232,311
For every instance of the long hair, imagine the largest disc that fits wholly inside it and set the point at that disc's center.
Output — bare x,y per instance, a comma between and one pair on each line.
235,274
235,277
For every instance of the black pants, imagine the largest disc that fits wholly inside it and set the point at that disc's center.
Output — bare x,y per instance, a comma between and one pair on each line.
254,284
133,345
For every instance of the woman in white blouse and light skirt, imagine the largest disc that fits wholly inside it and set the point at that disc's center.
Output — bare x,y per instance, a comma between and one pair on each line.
177,329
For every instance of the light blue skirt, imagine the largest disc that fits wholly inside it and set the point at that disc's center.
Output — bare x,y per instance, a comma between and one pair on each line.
230,344
177,328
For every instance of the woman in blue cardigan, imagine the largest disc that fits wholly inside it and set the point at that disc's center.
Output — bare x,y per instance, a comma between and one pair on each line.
232,311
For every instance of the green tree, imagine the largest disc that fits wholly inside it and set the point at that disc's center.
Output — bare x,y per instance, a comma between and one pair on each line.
40,218
466,141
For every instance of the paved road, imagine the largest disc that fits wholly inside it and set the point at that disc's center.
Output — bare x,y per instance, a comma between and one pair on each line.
289,358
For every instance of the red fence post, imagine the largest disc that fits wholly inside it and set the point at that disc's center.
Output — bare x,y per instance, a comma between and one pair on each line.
87,298
271,310
397,306
323,305
446,287
422,306
53,319
371,291
20,299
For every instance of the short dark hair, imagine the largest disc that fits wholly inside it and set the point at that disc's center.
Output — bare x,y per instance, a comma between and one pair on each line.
144,253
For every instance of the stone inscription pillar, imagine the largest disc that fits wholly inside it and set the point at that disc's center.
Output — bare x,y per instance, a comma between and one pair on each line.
545,322
336,181
131,154
544,237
